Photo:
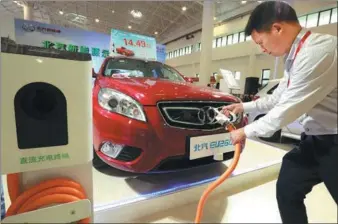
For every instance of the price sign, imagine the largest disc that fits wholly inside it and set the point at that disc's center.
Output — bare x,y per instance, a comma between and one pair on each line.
132,45
139,43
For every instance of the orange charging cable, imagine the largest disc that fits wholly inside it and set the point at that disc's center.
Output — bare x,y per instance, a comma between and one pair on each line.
220,180
46,193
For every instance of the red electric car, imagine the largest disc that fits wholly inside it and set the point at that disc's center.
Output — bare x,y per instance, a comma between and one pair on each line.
145,113
125,51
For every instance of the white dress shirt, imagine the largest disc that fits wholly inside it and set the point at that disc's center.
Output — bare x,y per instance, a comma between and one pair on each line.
311,95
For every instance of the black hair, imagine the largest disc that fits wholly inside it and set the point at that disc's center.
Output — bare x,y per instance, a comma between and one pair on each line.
267,13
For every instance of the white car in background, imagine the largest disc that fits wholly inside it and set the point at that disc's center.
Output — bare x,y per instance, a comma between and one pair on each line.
292,130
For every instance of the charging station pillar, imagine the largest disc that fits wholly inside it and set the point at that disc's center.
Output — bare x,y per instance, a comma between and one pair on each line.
28,11
46,150
206,42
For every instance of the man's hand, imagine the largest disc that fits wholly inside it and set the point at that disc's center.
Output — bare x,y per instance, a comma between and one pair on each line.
236,108
237,136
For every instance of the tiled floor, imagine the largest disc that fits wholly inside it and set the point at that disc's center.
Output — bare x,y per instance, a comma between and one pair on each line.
256,205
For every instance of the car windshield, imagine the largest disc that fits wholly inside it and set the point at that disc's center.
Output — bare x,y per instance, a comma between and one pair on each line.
132,68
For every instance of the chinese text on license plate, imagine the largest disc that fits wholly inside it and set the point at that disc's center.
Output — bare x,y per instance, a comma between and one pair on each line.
209,145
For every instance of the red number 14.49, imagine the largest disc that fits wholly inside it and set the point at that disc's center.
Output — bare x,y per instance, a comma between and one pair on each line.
139,43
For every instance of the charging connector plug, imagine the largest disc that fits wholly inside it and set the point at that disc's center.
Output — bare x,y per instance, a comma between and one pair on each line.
225,119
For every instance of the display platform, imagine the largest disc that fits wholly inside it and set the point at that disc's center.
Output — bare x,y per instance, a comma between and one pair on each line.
149,194
117,193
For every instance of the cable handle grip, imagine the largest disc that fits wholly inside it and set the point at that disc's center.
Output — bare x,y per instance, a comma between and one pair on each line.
232,117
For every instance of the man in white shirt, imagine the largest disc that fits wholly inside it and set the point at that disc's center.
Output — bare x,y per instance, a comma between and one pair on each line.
2,201
307,91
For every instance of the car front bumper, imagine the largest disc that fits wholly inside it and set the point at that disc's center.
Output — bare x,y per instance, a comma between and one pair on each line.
146,145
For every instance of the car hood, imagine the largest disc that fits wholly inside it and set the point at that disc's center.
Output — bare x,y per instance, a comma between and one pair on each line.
149,91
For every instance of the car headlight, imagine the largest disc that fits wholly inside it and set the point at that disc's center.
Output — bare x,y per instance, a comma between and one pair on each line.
120,103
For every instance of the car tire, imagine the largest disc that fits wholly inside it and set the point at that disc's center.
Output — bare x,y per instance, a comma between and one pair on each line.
276,137
97,161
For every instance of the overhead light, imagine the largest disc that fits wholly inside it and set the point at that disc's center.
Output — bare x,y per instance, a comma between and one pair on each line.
156,32
39,60
97,20
215,18
243,2
184,8
77,18
112,11
19,3
129,27
136,14
61,12
260,1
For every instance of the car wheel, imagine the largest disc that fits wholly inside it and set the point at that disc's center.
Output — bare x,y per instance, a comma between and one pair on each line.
276,137
97,161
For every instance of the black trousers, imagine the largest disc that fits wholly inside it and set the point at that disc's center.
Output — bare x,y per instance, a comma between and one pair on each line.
314,161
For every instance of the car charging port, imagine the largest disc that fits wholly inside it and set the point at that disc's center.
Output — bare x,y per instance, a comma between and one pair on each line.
226,119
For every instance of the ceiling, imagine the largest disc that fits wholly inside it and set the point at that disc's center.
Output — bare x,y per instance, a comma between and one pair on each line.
159,18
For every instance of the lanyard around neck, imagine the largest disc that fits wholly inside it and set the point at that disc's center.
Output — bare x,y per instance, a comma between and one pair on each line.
300,45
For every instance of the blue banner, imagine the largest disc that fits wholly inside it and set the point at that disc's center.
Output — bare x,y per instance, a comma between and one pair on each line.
132,45
160,48
69,39
78,40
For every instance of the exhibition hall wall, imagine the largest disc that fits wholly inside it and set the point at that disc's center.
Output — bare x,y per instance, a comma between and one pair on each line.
236,57
7,25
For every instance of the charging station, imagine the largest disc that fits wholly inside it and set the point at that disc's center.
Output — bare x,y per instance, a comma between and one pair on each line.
46,148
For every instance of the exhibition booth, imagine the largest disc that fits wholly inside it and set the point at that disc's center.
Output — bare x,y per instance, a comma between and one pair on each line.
123,142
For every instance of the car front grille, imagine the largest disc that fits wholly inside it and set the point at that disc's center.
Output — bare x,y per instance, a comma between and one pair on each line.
188,115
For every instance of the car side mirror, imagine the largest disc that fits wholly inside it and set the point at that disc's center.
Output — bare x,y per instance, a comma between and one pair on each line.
188,79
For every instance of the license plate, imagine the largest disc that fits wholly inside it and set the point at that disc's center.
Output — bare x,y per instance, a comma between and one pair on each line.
209,145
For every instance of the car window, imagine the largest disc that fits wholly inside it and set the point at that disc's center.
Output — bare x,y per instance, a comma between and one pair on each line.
272,89
137,68
170,74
